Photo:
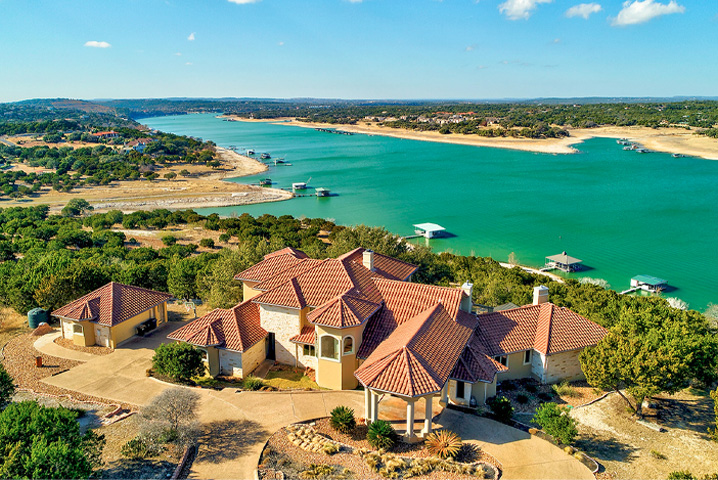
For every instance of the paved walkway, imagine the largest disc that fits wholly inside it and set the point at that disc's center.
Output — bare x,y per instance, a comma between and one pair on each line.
46,344
237,424
522,455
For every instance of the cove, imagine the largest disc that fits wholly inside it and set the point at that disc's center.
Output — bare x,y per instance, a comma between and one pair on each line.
621,212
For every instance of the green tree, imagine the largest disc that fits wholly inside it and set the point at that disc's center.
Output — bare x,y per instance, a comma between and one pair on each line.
179,360
169,240
7,387
76,207
206,243
43,442
713,432
170,175
181,280
556,421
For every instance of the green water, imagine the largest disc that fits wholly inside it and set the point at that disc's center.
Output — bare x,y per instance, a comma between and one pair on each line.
623,213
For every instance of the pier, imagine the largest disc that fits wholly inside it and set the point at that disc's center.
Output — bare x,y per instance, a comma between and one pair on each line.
562,262
332,130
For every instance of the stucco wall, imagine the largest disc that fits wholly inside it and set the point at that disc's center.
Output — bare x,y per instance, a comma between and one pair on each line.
564,366
67,331
517,369
126,330
252,357
339,374
284,323
249,292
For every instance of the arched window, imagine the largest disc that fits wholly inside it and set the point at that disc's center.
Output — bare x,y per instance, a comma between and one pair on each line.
329,347
348,345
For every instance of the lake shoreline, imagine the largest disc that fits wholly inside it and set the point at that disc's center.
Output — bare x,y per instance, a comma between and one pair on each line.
667,140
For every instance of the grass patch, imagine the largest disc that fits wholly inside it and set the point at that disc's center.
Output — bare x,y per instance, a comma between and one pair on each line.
285,378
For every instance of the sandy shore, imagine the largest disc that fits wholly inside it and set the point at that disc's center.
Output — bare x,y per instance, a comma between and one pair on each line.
204,188
669,140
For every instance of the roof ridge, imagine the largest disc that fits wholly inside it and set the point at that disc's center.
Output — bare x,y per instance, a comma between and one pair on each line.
410,369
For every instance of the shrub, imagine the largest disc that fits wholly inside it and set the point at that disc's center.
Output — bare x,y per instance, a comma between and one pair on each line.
546,397
681,475
330,448
206,243
522,399
564,389
443,443
169,240
7,387
224,238
180,361
171,417
658,455
531,388
501,408
343,419
713,432
253,383
137,448
381,435
556,422
317,471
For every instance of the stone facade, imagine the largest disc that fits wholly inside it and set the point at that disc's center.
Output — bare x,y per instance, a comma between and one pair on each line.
563,366
285,323
230,363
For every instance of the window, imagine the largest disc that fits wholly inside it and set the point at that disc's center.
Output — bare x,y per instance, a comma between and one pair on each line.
77,329
310,351
503,360
205,355
348,345
459,389
329,347
527,357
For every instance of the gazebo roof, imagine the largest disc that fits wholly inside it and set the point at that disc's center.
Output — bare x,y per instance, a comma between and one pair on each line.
429,227
649,280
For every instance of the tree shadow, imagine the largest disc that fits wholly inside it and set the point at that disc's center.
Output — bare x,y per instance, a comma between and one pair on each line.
602,448
685,414
229,439
146,469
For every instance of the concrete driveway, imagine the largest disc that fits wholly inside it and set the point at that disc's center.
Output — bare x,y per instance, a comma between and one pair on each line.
522,455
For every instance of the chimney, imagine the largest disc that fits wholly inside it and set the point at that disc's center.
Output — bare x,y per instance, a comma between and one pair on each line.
368,259
467,303
540,295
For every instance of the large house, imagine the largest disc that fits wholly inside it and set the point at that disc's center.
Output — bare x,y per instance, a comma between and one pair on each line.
358,319
112,314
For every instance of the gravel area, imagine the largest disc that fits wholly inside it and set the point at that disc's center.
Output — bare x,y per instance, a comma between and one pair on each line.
281,454
94,350
533,394
19,361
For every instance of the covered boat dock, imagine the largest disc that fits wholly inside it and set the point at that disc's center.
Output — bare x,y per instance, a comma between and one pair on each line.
563,262
429,230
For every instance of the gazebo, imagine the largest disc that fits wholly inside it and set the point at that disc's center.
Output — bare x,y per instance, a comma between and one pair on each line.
429,230
414,364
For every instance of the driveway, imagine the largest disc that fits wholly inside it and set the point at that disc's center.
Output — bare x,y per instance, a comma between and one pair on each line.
522,455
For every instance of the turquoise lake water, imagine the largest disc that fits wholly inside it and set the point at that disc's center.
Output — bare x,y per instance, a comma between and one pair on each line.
622,213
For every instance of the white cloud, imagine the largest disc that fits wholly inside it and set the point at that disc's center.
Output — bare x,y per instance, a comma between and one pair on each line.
556,40
520,9
281,44
96,44
178,54
470,48
242,2
191,37
355,1
188,63
583,10
640,11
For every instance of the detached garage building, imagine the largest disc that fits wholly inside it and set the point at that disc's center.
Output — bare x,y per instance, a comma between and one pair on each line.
112,314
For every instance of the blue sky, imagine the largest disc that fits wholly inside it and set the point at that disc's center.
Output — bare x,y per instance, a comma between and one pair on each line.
450,49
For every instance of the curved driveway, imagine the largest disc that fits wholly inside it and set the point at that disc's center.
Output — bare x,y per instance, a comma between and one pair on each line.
238,424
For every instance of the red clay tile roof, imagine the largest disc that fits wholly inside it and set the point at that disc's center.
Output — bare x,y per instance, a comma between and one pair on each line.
287,274
287,295
343,311
287,251
112,304
388,267
267,268
237,328
417,358
403,301
475,365
306,337
546,328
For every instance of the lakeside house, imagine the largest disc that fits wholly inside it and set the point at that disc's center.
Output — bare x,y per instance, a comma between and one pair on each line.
358,319
112,314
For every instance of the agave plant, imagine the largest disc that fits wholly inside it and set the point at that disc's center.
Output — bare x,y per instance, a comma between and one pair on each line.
443,443
381,435
342,419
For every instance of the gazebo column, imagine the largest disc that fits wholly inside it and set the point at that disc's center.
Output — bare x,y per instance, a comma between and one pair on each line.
428,414
410,418
367,405
374,407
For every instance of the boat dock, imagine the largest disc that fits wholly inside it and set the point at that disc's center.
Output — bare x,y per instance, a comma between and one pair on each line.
332,130
647,283
562,262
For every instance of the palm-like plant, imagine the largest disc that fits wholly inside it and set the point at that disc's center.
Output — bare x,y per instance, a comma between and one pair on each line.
342,419
443,443
381,435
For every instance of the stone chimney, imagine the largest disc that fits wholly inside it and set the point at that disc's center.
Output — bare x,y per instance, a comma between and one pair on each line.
467,303
368,259
540,295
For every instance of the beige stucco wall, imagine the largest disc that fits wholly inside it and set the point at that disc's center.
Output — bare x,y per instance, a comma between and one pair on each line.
248,291
563,366
212,362
252,357
284,323
338,375
126,330
517,369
